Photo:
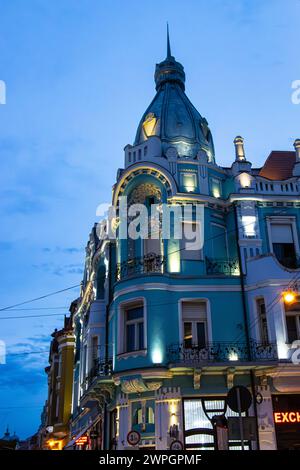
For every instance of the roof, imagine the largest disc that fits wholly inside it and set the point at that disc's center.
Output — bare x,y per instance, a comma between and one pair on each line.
279,165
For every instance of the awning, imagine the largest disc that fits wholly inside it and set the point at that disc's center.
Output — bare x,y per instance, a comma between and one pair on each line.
83,431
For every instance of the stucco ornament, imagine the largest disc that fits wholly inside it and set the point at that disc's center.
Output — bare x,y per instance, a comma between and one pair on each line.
138,385
139,194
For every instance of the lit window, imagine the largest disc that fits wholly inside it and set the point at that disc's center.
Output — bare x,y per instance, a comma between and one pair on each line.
249,222
150,415
216,187
189,182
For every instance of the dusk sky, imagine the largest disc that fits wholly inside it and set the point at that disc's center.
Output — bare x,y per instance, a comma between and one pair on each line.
79,75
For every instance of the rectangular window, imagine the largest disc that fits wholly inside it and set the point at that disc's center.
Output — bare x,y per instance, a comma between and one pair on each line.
262,318
293,327
283,244
216,189
188,182
94,348
194,320
190,243
134,328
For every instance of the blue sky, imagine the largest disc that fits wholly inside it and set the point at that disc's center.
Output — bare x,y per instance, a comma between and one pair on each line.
79,75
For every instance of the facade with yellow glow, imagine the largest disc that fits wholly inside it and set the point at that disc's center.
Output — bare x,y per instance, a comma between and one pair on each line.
56,430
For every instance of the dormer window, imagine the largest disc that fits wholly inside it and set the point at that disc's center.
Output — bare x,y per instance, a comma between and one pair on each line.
188,181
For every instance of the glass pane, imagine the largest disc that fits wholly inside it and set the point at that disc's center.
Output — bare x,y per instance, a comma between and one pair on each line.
134,313
188,338
130,338
291,328
201,339
140,327
150,418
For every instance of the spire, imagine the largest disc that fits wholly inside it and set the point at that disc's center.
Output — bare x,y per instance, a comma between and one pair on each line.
169,70
169,55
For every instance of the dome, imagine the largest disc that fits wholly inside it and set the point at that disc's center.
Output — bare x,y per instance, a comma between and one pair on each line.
172,117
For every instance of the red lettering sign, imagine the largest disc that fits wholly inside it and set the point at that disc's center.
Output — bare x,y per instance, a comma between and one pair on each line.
81,440
287,417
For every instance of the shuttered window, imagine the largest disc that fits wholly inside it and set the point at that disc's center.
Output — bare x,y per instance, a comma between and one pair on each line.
282,233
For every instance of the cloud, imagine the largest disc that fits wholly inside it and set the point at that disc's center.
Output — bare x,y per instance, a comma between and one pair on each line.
60,270
68,250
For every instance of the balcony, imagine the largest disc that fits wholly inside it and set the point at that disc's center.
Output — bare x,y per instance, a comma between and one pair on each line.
221,352
223,267
101,370
149,264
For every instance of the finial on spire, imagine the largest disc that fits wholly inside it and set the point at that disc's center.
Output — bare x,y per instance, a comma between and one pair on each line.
168,43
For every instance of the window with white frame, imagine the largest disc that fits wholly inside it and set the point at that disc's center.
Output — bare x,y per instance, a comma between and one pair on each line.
292,318
262,321
188,181
190,243
194,324
216,188
283,240
134,328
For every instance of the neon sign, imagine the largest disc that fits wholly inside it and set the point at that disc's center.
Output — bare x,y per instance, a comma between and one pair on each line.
81,440
287,417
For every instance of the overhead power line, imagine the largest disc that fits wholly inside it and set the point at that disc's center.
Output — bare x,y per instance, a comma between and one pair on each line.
38,298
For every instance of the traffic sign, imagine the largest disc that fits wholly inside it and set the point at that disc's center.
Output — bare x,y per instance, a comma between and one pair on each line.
239,399
133,438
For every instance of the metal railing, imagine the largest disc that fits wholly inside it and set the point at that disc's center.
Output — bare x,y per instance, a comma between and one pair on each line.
100,369
226,267
148,264
221,352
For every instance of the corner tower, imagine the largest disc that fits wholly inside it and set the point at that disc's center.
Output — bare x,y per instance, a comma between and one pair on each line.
172,118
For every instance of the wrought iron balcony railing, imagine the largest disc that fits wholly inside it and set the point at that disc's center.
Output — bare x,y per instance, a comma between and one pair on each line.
226,267
151,263
100,369
221,352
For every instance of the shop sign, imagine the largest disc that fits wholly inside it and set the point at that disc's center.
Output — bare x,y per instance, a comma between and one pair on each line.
288,417
82,440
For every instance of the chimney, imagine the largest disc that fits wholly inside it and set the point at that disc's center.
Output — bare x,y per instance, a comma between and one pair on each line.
297,150
239,149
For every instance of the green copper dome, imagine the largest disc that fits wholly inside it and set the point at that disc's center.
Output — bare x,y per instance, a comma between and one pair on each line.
172,117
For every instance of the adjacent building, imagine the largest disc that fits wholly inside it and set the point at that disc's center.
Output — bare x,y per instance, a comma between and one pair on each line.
54,433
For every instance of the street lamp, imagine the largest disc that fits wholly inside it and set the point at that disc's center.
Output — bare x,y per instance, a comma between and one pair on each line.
289,296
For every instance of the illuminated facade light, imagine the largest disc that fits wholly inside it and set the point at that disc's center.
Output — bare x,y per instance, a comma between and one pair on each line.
157,356
233,356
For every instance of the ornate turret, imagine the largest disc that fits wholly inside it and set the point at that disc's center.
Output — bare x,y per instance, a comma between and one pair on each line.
172,117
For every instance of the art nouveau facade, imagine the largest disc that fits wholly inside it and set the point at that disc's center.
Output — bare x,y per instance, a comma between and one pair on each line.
163,332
